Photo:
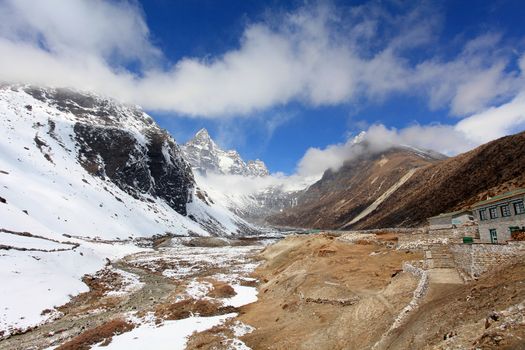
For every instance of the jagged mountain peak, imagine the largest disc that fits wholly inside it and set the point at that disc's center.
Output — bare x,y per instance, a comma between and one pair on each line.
202,136
206,156
258,167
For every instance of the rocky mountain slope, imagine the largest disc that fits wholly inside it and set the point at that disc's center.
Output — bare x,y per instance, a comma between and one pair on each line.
80,164
205,156
403,187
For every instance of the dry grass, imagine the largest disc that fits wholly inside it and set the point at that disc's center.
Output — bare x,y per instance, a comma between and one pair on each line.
99,284
187,307
101,334
221,290
215,338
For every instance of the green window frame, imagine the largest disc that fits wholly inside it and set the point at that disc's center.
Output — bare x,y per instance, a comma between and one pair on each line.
505,210
519,208
493,212
483,214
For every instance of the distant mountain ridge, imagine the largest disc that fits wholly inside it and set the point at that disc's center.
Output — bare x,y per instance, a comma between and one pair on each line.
217,170
403,186
206,156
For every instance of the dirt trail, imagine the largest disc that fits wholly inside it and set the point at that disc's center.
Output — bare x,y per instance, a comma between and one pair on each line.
162,277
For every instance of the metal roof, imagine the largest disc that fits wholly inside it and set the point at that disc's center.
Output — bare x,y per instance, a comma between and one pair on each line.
515,193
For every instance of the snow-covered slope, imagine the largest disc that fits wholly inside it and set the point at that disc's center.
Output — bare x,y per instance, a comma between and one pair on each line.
206,157
80,177
253,198
83,165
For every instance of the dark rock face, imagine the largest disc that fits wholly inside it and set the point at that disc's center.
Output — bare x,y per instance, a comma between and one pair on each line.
172,176
124,145
155,168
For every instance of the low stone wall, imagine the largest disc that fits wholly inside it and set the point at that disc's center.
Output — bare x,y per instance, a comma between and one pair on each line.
406,230
457,232
475,259
424,237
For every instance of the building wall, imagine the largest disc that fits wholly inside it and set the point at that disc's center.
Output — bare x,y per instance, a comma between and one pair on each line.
437,223
462,219
421,239
502,228
500,224
475,259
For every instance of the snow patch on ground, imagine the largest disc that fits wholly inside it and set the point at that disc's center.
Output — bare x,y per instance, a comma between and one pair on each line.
24,242
198,290
130,283
170,335
244,295
43,280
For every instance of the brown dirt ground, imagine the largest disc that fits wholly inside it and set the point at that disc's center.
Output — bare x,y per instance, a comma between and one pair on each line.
187,307
321,293
457,317
317,292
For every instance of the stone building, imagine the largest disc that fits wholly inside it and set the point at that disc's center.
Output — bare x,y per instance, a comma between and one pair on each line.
501,215
451,220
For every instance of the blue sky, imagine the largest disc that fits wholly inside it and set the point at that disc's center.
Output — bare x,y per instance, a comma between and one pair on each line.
287,82
209,28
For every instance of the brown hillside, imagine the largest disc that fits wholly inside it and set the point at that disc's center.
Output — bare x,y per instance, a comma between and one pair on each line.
437,186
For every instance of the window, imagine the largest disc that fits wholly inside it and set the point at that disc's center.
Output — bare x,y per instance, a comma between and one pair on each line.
483,214
505,210
519,208
493,212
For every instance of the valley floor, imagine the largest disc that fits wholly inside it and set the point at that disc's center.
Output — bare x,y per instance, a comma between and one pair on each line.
154,298
320,291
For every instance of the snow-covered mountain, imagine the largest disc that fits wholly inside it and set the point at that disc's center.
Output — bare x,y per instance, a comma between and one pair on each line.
206,157
246,188
80,164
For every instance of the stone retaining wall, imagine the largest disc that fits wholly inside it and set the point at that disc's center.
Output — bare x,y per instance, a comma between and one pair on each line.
476,259
424,237
457,232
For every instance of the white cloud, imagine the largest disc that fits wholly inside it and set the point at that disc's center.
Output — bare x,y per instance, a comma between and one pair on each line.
441,138
318,55
495,122
470,132
113,31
